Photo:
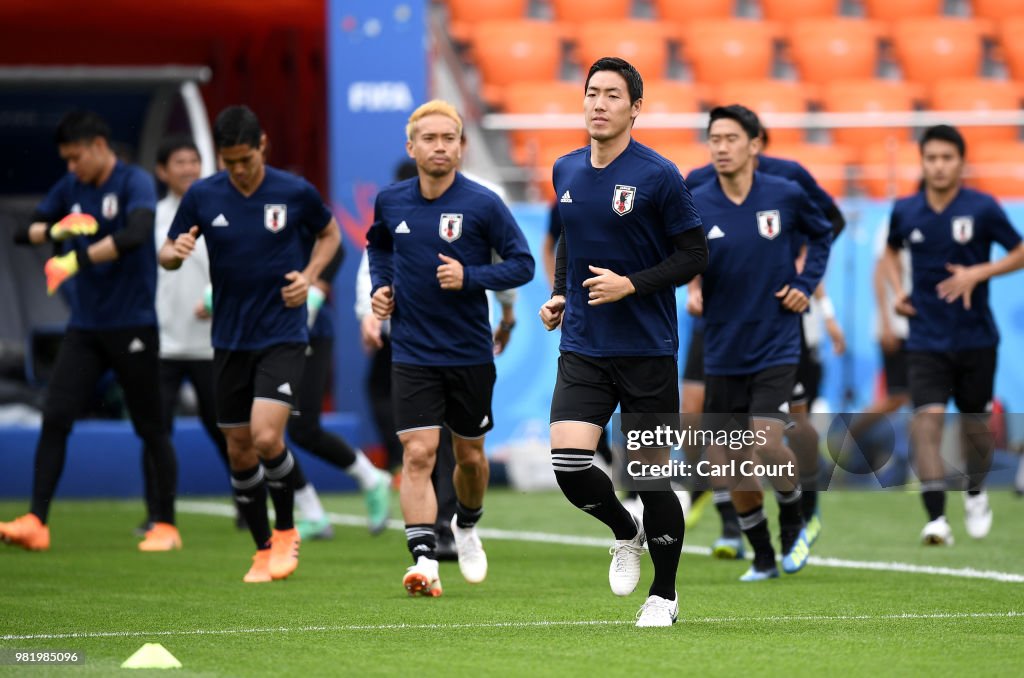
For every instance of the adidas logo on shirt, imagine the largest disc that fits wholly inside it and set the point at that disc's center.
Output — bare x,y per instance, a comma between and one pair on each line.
715,232
916,236
402,228
219,220
136,346
285,388
566,197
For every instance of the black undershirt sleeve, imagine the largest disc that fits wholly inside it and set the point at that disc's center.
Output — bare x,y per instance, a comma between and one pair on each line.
559,286
138,230
688,261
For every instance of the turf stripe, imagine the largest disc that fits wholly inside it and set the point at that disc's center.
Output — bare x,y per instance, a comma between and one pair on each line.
217,509
908,616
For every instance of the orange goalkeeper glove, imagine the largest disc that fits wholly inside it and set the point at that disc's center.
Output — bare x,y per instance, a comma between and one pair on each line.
72,225
58,269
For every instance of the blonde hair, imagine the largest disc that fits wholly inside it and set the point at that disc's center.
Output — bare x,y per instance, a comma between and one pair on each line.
434,107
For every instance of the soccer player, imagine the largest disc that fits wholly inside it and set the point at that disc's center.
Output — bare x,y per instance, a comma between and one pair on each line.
252,217
949,230
752,300
630,235
430,252
99,219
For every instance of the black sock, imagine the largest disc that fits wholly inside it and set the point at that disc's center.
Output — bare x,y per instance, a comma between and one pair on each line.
284,476
589,489
791,515
250,491
755,526
51,452
467,517
422,540
665,527
975,492
164,465
730,521
934,495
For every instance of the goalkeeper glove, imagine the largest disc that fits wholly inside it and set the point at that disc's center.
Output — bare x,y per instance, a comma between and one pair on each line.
72,225
58,269
314,301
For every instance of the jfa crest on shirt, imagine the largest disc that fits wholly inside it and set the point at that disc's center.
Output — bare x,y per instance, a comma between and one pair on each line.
963,229
622,199
275,217
450,227
108,206
769,224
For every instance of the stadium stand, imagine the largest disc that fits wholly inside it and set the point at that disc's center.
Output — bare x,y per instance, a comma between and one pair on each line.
870,96
769,96
839,48
729,49
792,10
464,15
506,50
641,42
892,10
937,48
890,169
978,95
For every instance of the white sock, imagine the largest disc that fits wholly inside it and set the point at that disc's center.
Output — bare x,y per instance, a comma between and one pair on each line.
308,502
363,470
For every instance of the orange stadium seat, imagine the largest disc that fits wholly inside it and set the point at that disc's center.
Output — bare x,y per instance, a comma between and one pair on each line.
996,168
934,49
640,42
687,157
545,161
827,163
979,95
768,96
512,51
464,14
893,10
549,96
869,96
667,96
680,11
890,170
997,9
825,50
729,49
1012,46
793,10
581,11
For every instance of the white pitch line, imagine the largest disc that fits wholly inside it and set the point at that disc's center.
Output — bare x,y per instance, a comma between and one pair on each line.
216,509
906,616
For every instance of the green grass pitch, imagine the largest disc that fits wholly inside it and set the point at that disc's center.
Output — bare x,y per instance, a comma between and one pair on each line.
545,608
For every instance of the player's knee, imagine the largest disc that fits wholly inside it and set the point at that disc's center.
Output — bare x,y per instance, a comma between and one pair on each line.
267,441
418,456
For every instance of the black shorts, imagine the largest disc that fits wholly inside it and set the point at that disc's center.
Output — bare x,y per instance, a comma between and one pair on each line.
693,370
588,389
729,400
896,371
807,382
240,377
457,397
966,376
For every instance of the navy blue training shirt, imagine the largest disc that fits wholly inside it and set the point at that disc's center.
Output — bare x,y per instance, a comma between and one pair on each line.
963,233
750,258
431,326
253,242
119,293
621,217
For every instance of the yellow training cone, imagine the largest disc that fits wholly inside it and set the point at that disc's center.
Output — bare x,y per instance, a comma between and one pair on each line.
151,656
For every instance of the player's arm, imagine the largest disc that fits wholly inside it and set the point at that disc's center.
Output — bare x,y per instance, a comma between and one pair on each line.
892,268
963,279
515,265
552,310
380,252
695,297
689,260
880,284
828,312
824,201
296,292
813,224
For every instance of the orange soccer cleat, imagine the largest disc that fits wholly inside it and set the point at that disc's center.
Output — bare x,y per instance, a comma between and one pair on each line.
161,537
284,553
26,531
259,573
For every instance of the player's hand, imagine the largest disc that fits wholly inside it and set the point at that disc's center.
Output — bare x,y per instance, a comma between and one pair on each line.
835,333
450,273
695,302
503,335
59,269
185,243
72,225
607,286
383,303
889,341
960,284
551,312
792,299
294,293
904,307
369,332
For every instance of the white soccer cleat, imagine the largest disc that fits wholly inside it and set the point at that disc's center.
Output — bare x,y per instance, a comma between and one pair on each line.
937,533
978,515
472,559
624,572
658,612
422,578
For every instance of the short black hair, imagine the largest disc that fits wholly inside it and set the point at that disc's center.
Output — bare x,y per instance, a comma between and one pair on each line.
634,83
171,145
944,133
746,118
237,126
81,125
